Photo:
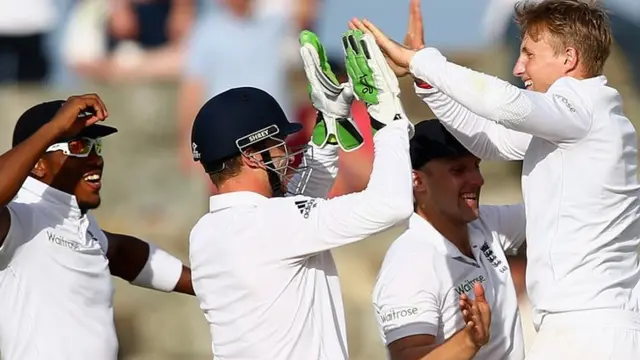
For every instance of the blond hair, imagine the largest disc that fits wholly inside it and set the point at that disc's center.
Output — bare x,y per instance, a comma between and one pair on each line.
582,25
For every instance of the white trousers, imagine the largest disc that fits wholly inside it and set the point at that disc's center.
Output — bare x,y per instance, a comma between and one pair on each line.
588,335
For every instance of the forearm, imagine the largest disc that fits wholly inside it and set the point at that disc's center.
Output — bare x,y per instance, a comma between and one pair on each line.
484,95
163,272
161,63
17,163
387,200
557,117
457,347
485,139
184,285
146,265
392,194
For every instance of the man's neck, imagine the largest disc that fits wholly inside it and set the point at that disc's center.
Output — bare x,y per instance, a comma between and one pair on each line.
455,232
238,184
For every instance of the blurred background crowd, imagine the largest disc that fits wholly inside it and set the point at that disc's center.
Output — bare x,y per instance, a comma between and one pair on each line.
155,62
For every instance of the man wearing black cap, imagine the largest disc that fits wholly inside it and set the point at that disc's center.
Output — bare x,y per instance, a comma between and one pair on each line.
56,291
262,266
451,245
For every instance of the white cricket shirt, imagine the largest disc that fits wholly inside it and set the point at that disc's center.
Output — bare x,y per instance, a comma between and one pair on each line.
262,269
423,275
579,178
56,291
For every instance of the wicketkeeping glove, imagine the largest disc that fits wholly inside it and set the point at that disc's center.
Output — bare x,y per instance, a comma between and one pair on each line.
373,81
334,124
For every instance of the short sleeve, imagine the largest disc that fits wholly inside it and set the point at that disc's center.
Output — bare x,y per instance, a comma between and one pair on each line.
508,222
21,218
406,296
199,52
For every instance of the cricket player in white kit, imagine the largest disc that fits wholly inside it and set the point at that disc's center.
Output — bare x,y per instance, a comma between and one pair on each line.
579,177
56,263
451,243
261,261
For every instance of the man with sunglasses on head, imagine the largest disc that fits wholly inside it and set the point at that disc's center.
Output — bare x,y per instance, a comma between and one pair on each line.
262,266
56,291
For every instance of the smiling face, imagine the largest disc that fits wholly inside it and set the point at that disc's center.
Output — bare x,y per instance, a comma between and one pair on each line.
451,187
540,63
79,176
561,38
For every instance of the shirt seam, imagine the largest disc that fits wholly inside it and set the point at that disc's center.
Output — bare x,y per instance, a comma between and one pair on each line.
31,317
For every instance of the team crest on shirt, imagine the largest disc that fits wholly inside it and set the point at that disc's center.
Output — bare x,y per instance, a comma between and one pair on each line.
492,258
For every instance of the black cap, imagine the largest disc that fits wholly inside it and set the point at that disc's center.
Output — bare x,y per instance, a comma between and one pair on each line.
39,115
432,141
234,119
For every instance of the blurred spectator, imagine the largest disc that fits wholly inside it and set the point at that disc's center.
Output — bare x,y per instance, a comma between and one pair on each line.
23,27
144,40
625,23
238,44
60,74
150,23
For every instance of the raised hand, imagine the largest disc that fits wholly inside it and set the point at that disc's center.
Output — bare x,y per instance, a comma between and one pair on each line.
477,316
372,79
331,98
398,56
414,39
79,112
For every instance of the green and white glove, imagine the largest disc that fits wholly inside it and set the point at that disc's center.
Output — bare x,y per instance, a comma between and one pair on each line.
334,124
372,79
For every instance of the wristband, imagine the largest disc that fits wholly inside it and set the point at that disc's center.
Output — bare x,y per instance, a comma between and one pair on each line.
161,272
422,84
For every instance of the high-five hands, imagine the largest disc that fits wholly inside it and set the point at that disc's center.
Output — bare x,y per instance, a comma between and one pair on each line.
399,56
372,80
332,99
477,316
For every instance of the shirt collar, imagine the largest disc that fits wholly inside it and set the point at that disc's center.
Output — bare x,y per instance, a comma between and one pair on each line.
435,238
33,190
596,80
224,201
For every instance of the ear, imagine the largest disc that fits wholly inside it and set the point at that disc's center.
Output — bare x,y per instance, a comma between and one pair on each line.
252,160
418,181
570,59
40,169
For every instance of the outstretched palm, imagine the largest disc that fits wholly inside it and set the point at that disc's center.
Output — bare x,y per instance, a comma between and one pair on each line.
413,39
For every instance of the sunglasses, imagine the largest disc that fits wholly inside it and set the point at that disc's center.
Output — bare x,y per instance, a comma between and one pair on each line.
80,148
